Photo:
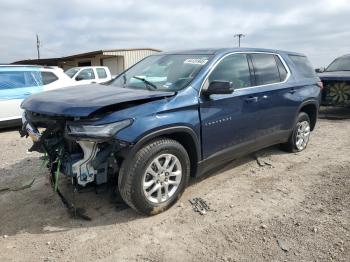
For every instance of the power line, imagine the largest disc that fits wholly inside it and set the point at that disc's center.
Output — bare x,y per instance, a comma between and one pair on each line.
239,38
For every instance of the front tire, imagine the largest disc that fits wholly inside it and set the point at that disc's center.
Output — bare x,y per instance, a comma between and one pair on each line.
300,137
155,177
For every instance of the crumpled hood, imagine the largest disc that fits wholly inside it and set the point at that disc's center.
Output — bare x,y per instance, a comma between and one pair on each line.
336,75
81,101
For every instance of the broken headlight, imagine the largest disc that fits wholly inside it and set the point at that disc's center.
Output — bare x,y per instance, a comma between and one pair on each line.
100,131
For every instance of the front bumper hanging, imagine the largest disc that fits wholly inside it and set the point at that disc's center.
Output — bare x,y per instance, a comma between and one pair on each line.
88,161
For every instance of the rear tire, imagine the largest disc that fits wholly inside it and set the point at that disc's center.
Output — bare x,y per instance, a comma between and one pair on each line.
299,139
155,177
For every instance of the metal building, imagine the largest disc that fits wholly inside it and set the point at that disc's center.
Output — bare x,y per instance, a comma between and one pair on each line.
117,60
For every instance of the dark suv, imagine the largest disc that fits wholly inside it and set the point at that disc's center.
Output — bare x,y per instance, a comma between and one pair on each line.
336,80
174,115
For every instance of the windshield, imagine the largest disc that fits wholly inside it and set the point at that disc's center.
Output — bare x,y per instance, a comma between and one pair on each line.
339,64
71,72
162,72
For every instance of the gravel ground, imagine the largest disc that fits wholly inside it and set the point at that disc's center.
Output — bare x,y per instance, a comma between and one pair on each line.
291,207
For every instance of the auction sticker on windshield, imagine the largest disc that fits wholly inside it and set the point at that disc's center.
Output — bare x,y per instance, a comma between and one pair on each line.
196,61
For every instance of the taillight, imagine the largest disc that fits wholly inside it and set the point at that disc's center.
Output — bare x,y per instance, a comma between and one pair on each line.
320,84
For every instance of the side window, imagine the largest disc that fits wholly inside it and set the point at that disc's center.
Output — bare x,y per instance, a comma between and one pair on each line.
281,68
12,80
48,78
303,65
101,73
32,78
265,68
18,79
86,74
234,69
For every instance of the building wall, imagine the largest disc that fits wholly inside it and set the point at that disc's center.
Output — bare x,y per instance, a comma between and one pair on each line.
95,61
131,57
122,59
114,63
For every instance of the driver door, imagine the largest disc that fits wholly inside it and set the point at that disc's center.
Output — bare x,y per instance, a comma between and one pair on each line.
86,76
229,122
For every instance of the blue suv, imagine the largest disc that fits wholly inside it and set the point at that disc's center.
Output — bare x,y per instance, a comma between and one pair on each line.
171,116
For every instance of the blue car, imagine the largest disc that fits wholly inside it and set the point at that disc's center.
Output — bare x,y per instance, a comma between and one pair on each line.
172,116
17,82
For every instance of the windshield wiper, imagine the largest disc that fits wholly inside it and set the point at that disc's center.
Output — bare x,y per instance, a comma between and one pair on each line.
124,79
337,70
148,83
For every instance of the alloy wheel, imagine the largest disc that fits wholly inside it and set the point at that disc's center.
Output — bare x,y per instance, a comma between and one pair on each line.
303,135
162,178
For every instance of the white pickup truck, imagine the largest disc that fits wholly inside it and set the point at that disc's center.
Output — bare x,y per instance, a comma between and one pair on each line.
89,74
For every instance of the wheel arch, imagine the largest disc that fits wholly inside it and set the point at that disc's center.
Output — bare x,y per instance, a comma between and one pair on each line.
185,135
311,109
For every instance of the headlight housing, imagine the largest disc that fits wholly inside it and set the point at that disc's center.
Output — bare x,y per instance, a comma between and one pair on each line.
98,131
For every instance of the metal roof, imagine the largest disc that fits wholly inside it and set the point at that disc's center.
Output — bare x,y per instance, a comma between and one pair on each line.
87,54
98,52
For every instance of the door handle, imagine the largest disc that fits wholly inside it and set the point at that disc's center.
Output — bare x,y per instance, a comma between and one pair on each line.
252,99
292,91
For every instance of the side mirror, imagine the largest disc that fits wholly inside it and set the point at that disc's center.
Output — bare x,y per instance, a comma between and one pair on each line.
219,88
320,70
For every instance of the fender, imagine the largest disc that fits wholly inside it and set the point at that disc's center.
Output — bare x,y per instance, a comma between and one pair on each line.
167,131
308,102
305,103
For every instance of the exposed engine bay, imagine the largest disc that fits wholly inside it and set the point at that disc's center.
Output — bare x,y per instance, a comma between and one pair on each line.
85,160
63,129
336,93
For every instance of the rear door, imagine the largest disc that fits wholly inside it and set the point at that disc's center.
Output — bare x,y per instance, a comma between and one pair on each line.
276,98
101,75
229,122
16,84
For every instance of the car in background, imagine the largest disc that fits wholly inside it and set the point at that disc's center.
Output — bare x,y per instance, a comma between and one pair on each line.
17,82
336,82
90,74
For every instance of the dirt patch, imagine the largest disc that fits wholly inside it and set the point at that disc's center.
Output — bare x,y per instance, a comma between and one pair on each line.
270,206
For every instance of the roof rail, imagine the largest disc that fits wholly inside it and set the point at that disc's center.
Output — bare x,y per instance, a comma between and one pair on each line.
19,65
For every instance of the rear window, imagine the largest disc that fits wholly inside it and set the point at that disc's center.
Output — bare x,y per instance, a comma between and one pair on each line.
303,66
281,69
101,72
48,78
265,68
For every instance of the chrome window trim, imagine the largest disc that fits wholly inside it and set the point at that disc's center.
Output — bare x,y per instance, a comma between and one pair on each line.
257,52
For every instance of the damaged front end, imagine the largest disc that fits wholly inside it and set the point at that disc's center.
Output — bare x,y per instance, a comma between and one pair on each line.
84,152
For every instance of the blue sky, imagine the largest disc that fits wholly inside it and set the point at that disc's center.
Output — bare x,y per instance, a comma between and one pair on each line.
318,28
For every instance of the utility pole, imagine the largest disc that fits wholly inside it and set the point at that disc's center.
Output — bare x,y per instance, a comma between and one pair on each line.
38,45
239,38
